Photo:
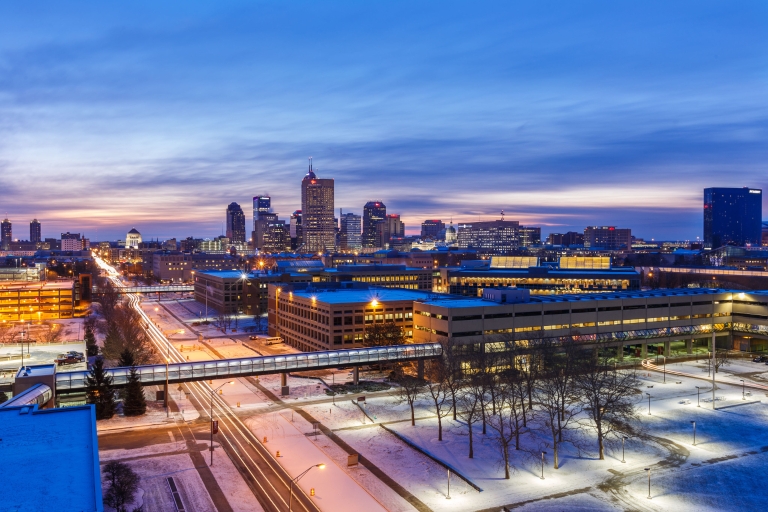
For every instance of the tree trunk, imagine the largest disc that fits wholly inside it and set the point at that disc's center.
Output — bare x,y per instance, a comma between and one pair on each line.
471,446
559,428
439,427
413,416
453,399
554,453
482,409
600,440
506,460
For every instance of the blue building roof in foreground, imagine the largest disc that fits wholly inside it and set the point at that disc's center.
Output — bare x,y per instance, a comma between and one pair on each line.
50,459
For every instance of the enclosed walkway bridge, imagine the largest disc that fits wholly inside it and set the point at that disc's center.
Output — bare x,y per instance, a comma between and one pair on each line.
75,382
173,288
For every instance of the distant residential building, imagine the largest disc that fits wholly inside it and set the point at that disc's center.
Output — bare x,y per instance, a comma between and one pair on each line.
133,239
530,236
6,234
607,237
72,242
350,236
566,239
235,223
170,245
732,216
373,213
432,228
317,207
34,231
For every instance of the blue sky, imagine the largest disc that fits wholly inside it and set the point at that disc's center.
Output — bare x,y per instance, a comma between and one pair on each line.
563,114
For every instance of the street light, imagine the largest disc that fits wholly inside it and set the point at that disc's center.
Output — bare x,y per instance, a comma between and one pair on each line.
295,480
649,482
742,389
623,438
694,432
449,485
665,368
698,396
649,403
542,464
213,392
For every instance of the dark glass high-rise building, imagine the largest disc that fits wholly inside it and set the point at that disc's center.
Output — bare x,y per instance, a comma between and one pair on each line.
317,207
373,213
732,216
6,235
34,231
235,223
261,205
431,228
349,232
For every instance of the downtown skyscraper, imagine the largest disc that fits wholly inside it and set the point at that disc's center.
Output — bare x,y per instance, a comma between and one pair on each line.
732,216
317,207
34,231
235,223
349,232
373,213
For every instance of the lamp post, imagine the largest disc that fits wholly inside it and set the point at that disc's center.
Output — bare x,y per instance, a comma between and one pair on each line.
295,480
542,464
698,396
623,438
649,482
665,368
449,485
694,432
213,392
649,403
742,390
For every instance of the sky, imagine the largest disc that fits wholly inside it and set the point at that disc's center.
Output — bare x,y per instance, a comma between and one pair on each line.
157,115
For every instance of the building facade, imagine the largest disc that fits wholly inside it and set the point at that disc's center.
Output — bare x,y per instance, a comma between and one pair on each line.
311,318
35,234
133,239
235,223
6,234
317,207
491,237
373,213
607,237
387,229
432,228
732,216
350,236
34,302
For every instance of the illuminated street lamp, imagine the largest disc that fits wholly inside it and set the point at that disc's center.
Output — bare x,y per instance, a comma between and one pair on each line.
296,480
623,438
742,390
649,403
698,396
542,464
694,432
649,482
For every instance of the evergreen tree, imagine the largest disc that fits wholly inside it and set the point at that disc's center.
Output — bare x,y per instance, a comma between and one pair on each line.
3,397
126,359
91,349
134,403
99,391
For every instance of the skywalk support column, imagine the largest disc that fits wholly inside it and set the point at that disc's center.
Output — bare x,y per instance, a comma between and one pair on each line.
620,352
666,348
689,346
284,390
356,375
644,350
420,369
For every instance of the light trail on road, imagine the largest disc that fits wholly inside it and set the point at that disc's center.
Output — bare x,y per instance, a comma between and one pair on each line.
269,481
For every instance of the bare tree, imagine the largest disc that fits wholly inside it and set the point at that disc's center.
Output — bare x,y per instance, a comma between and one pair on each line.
469,401
453,376
51,333
384,334
556,392
436,371
409,389
722,358
609,397
125,330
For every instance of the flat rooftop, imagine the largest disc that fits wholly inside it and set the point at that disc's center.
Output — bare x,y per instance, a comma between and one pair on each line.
51,459
63,284
36,370
350,296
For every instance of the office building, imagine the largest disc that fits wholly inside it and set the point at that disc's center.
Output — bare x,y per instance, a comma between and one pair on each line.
276,237
432,228
133,239
373,213
566,239
6,235
493,237
261,205
235,223
530,236
390,227
317,207
732,216
350,237
607,237
297,234
260,228
34,231
332,317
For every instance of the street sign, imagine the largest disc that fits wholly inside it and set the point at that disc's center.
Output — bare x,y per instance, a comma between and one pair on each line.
215,426
361,399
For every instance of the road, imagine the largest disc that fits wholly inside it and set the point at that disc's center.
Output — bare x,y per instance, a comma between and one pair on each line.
266,478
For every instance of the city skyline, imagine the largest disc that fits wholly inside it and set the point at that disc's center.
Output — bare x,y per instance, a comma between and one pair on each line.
564,118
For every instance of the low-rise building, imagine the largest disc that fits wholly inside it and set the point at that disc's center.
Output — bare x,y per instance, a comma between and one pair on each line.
28,301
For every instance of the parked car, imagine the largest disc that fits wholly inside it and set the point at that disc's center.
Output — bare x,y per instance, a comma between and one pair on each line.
760,359
69,358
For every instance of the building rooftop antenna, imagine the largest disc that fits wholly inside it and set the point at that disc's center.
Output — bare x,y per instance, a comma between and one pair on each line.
502,214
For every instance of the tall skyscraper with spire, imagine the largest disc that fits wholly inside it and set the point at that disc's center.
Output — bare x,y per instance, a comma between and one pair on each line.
317,207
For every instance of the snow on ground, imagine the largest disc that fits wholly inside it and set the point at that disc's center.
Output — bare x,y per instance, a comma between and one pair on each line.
335,489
